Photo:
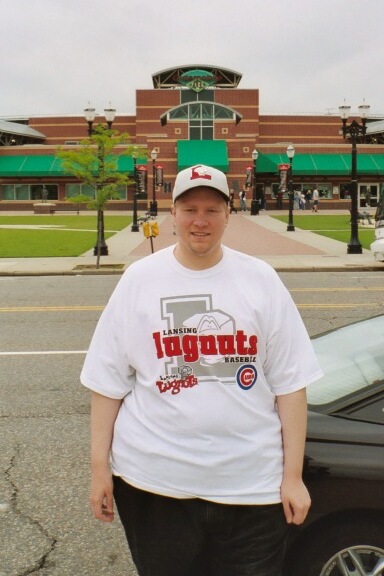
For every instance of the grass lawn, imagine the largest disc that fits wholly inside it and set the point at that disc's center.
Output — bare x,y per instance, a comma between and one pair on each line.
69,235
337,227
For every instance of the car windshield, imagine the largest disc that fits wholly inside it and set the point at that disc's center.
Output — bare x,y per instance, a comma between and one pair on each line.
352,358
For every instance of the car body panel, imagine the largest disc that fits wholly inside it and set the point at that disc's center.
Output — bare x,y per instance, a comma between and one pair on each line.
344,455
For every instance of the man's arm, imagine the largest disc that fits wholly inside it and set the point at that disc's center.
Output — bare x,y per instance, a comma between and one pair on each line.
103,415
293,416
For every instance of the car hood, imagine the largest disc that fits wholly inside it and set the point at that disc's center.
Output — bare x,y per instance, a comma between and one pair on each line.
339,429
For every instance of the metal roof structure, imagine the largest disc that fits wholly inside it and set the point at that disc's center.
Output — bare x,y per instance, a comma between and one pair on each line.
170,78
375,127
17,133
375,132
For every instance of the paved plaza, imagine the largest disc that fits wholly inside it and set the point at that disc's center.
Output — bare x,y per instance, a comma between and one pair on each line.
261,236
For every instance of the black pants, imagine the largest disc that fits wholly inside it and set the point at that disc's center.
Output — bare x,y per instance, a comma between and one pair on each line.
193,537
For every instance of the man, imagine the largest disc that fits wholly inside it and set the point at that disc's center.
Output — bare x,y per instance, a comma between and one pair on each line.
198,369
315,198
243,200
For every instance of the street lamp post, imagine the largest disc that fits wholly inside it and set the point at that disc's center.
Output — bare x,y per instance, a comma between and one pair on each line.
153,204
354,131
290,154
100,247
135,226
255,207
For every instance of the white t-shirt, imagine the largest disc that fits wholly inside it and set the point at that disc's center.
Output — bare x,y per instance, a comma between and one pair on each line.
198,358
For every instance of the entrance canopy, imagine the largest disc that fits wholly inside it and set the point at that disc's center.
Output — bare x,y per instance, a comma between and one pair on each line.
209,152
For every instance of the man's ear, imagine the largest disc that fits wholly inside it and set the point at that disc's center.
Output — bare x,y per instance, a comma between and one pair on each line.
228,213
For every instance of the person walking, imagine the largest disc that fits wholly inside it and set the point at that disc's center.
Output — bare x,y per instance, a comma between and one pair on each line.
197,370
315,199
243,200
308,196
232,207
296,199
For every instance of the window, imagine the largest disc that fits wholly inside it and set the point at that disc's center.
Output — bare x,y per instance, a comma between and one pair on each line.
36,191
191,96
28,191
72,190
352,361
122,192
325,189
8,192
368,195
201,116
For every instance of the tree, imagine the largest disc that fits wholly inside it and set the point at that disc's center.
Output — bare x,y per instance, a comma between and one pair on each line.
95,162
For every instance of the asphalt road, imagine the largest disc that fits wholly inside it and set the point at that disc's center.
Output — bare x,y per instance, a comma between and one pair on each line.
46,324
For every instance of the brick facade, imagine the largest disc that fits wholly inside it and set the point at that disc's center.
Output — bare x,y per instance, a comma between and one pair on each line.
268,134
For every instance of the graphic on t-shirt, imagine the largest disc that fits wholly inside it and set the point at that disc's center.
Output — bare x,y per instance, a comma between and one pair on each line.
246,376
200,342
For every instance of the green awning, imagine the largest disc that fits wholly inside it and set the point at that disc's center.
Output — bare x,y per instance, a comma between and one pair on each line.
266,163
49,165
322,164
30,166
209,152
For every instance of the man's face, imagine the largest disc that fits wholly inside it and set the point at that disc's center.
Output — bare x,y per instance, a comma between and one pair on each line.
200,217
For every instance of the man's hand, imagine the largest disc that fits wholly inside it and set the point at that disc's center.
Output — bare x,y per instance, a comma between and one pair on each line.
294,494
296,501
101,497
103,415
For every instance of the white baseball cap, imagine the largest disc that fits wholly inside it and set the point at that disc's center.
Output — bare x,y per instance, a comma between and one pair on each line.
200,175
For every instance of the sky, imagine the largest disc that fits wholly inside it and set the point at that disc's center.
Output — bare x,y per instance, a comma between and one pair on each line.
305,56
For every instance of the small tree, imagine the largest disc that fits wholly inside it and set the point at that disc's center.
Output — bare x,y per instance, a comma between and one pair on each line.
95,162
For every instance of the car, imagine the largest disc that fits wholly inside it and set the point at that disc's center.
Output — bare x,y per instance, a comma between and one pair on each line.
343,534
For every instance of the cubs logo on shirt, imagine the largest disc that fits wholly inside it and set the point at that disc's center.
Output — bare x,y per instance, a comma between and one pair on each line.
246,376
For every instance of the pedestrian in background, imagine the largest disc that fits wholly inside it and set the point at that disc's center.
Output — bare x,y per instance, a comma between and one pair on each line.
296,199
198,368
308,197
243,200
232,207
315,199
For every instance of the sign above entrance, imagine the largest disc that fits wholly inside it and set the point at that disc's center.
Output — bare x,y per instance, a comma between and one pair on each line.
197,80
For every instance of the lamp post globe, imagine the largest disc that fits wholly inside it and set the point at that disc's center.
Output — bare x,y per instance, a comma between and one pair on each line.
109,114
90,114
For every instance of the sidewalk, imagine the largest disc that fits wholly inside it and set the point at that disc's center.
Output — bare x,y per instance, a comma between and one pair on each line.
261,236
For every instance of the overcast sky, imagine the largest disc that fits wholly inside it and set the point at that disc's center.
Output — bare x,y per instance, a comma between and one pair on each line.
305,56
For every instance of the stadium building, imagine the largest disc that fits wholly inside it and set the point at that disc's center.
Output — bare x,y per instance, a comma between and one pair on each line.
195,114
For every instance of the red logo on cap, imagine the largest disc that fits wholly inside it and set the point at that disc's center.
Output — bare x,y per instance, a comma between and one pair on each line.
200,172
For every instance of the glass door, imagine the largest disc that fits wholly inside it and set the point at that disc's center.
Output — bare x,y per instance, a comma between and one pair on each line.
368,195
